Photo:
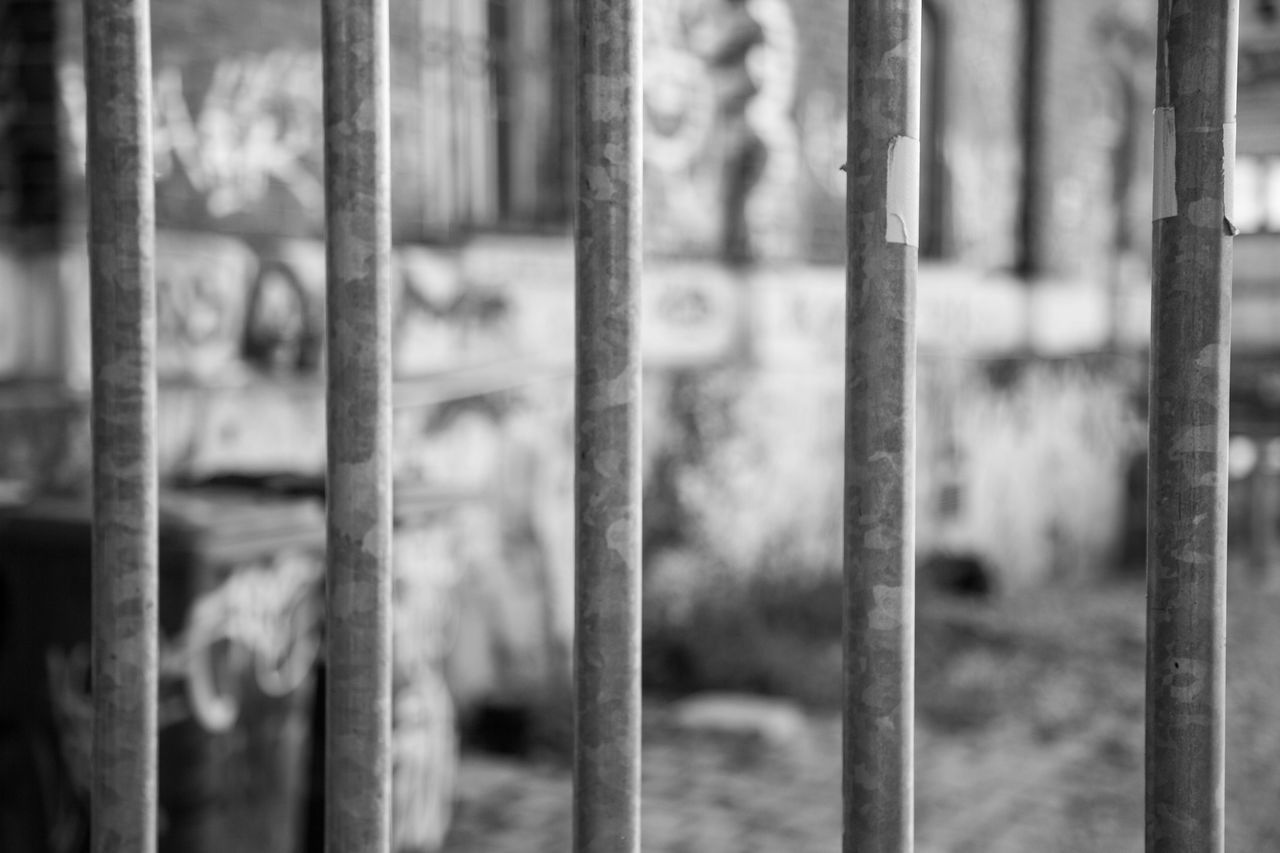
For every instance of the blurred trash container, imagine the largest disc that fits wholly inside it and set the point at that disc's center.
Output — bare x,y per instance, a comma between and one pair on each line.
240,606
425,736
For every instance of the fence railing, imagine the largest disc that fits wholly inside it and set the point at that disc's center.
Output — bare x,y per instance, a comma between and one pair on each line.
125,586
606,768
357,154
1196,49
1187,520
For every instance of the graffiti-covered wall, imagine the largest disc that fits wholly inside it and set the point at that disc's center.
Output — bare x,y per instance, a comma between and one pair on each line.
238,115
745,116
720,91
744,124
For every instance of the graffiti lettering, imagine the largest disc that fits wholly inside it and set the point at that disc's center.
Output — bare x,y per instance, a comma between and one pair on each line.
428,568
258,126
425,764
200,303
685,132
262,621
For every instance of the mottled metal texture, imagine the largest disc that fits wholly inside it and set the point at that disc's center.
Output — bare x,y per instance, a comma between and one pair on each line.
607,517
1035,61
879,518
125,552
358,579
1190,347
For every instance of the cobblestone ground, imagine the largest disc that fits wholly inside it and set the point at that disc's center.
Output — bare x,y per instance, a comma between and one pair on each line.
708,795
1029,737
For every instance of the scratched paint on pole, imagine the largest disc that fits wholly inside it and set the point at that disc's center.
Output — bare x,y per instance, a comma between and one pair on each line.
1190,347
125,567
607,635
883,178
358,580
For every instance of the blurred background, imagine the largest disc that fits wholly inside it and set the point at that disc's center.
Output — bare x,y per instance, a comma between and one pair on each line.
1033,308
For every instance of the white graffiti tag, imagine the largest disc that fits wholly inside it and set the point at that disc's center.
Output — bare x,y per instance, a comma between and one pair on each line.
683,132
261,621
257,127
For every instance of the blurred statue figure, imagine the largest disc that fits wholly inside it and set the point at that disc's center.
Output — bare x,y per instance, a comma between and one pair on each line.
728,35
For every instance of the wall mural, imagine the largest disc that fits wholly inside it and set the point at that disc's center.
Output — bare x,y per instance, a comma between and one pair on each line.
238,141
228,310
231,310
259,627
824,126
249,141
240,667
721,148
257,630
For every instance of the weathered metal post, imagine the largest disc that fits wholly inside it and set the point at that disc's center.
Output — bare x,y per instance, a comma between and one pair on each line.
1034,63
1190,348
607,636
358,581
879,514
125,553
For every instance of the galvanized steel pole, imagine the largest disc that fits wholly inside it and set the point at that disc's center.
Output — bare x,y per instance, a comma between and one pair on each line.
879,514
358,584
607,636
1190,352
125,553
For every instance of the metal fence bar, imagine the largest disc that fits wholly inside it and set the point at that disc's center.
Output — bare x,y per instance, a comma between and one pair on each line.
125,545
879,514
358,406
1190,349
607,491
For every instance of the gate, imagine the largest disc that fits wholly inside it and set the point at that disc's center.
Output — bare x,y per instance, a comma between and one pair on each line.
1195,132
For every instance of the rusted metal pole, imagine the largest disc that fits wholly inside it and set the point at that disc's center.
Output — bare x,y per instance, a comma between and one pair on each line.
1190,349
607,516
125,552
879,514
358,581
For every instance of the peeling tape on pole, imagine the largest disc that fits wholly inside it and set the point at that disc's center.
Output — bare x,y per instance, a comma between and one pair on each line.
1229,175
1164,202
902,198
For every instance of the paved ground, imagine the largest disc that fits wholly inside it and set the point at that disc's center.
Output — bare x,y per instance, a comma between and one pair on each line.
1029,737
702,795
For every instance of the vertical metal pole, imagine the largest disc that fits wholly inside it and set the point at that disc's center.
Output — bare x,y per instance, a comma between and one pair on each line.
1190,348
1034,62
125,554
607,636
879,514
358,587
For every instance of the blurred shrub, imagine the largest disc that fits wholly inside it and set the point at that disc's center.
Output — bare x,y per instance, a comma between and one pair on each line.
1045,472
1028,474
708,629
1023,471
765,496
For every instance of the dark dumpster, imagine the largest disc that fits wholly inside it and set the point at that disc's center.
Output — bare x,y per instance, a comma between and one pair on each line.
240,598
424,744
